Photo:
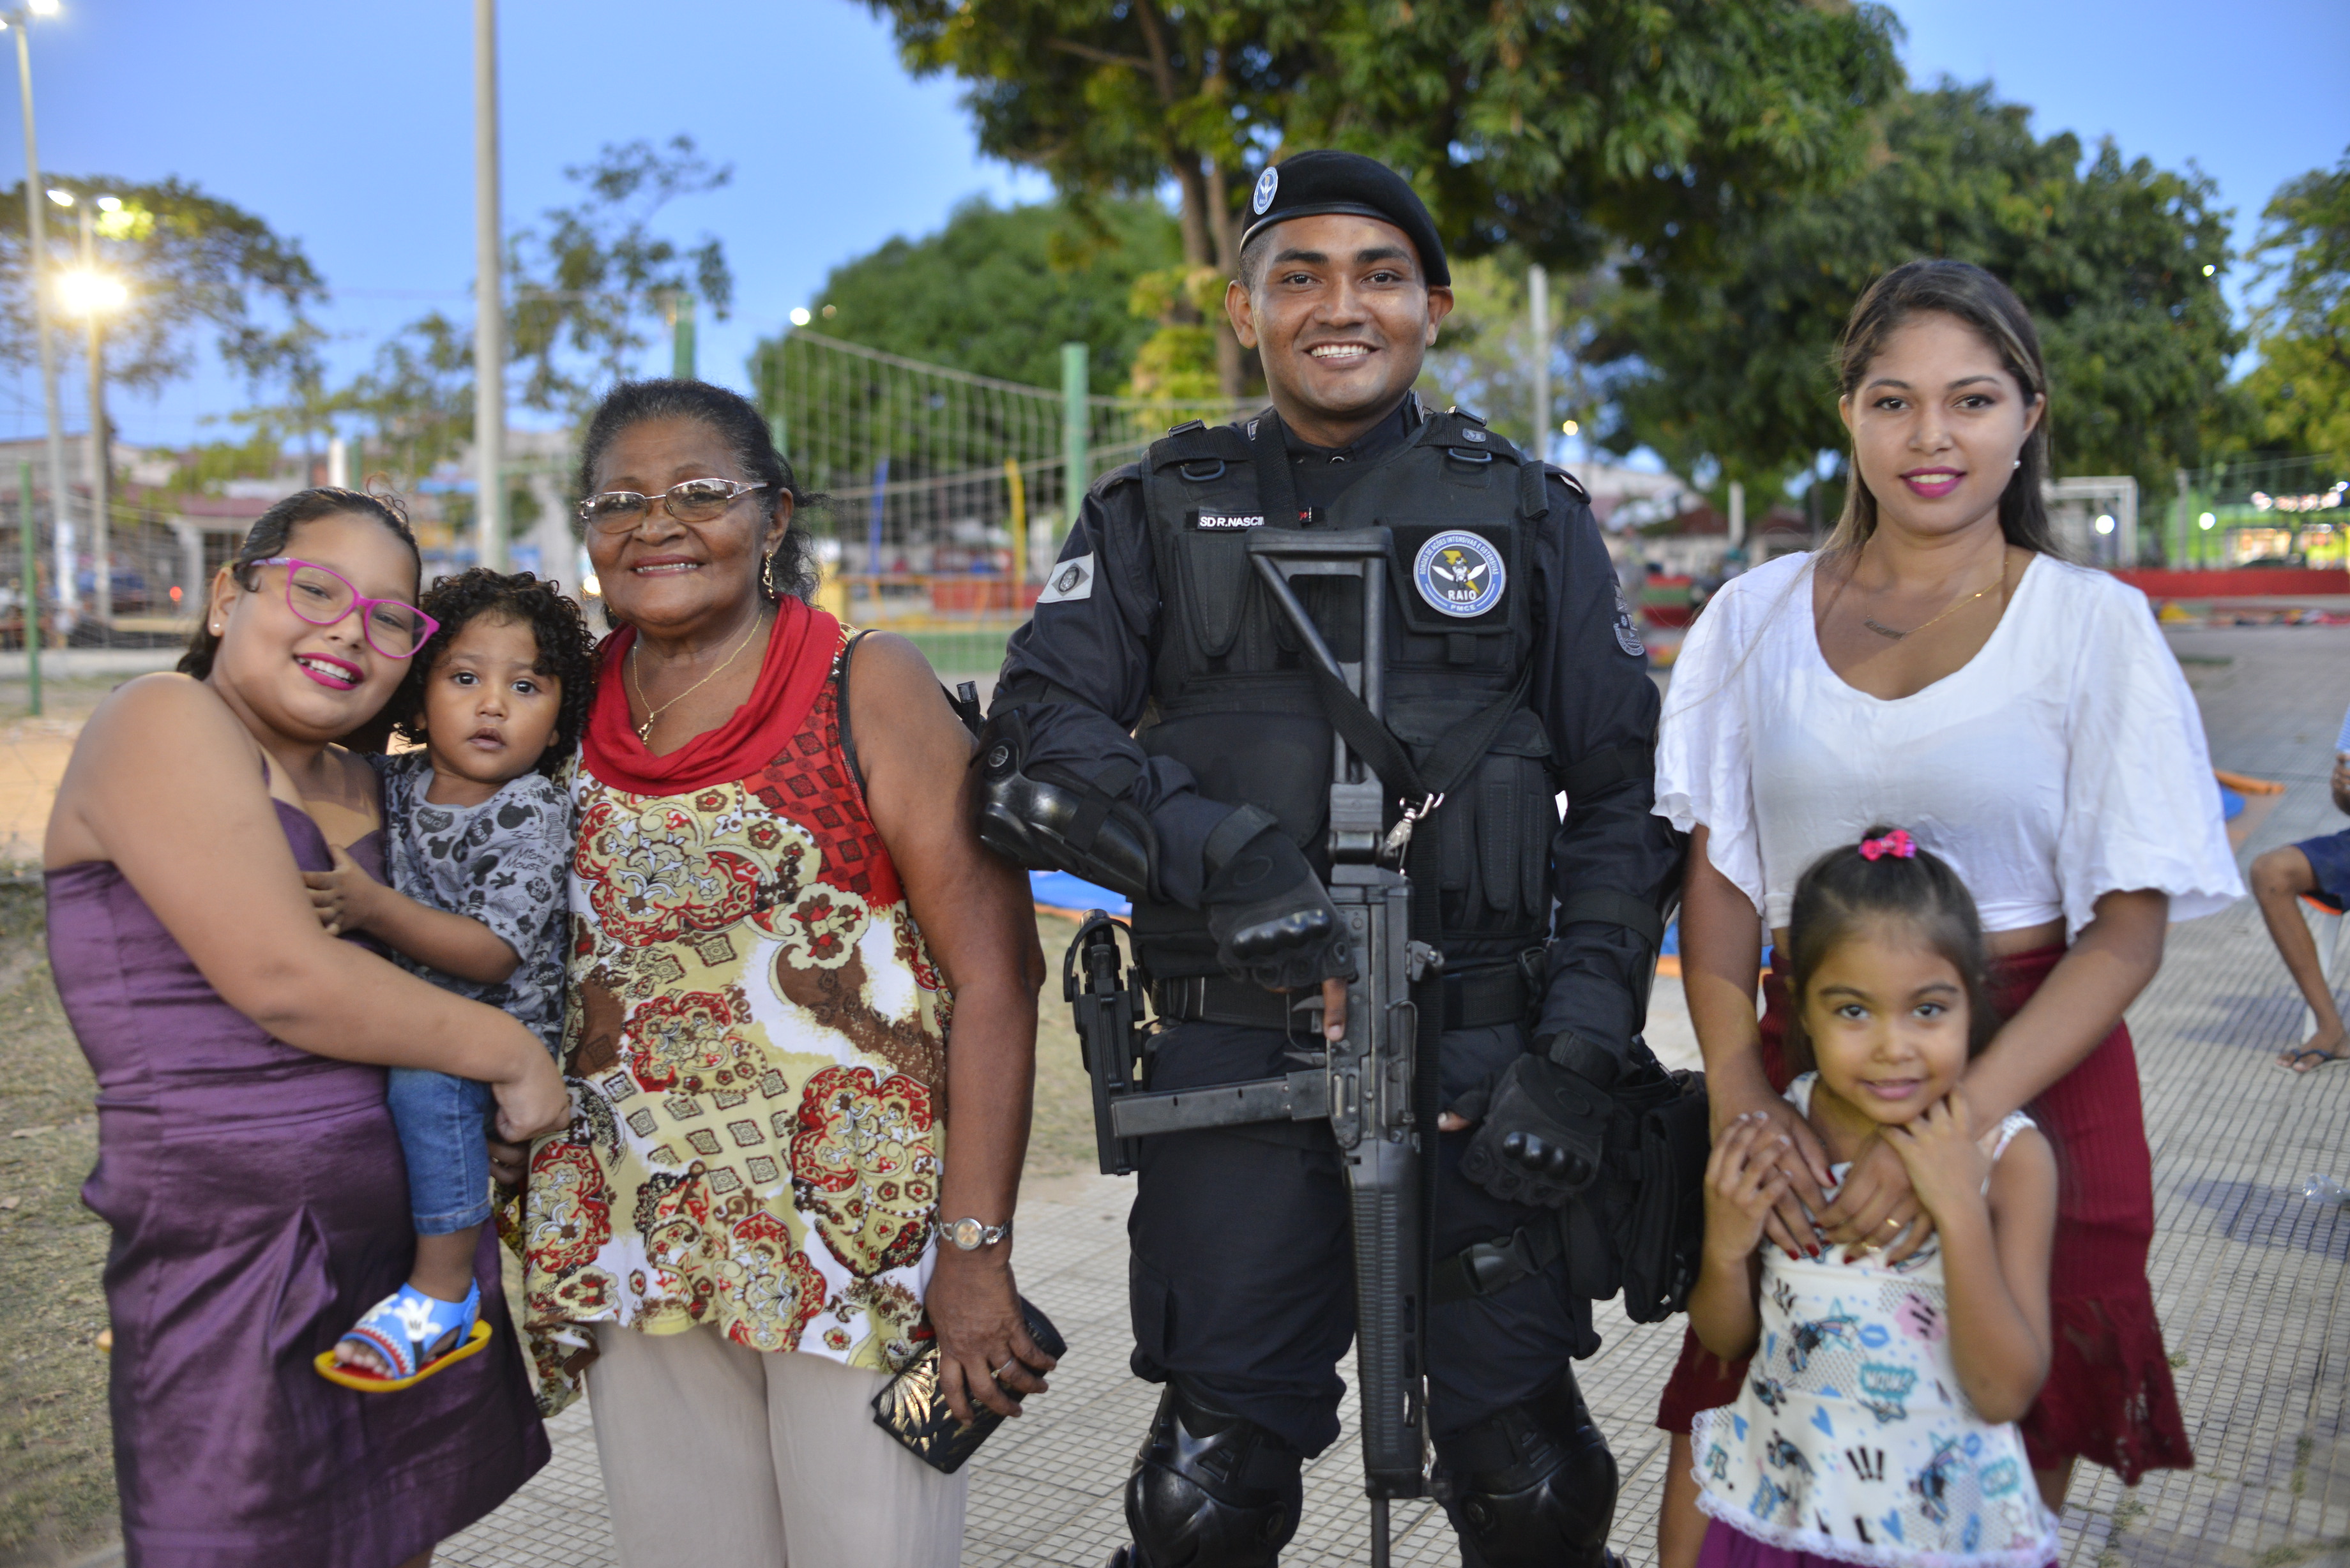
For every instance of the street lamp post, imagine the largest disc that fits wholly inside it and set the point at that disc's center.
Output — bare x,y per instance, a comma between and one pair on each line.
94,293
489,301
35,230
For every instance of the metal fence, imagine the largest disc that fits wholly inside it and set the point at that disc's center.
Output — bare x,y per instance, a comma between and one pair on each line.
947,495
933,471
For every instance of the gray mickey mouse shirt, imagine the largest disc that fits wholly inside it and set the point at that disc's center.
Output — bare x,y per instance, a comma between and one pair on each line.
502,863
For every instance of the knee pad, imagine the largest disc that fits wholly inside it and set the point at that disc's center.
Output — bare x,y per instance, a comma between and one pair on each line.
1210,1489
1532,1486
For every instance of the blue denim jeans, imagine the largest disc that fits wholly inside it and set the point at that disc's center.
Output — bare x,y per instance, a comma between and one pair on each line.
443,1122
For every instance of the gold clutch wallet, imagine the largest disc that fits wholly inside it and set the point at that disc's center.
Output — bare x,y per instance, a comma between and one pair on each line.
910,1408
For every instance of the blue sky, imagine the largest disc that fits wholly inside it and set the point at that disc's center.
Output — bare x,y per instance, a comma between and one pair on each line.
349,127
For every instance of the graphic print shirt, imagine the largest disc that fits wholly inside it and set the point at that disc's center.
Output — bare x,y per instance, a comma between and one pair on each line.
1852,1438
500,863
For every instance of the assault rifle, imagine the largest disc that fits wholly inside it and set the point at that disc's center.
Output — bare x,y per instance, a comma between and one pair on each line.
1366,1086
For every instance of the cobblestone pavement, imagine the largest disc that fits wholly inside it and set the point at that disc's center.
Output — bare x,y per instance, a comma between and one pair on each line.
2247,1274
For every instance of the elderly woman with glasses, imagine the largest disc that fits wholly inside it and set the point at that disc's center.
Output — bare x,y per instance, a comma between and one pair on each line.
790,959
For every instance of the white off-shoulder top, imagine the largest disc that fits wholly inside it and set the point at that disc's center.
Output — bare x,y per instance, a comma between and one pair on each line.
2063,762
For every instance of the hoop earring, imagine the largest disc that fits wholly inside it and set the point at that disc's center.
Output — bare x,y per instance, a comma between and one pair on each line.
767,578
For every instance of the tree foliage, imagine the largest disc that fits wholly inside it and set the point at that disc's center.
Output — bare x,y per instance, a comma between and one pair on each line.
418,396
1485,351
191,263
2301,385
584,288
998,290
1564,130
2118,262
588,281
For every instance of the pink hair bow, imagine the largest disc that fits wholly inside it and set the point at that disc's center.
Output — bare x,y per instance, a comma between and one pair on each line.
1897,844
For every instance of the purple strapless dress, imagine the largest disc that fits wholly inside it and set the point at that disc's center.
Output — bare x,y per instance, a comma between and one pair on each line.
259,1204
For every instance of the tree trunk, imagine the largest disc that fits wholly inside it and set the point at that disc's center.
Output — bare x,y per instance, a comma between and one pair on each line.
1232,374
1197,245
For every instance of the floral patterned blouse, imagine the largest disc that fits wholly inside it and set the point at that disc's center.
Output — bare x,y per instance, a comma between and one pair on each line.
756,1050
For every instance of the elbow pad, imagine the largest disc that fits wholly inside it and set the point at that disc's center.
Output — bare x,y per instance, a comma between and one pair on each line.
1048,818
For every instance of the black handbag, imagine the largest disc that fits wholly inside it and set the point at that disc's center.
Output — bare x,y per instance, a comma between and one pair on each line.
911,1408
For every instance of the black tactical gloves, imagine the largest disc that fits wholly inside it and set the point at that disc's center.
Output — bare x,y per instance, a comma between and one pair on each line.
1540,1130
1272,923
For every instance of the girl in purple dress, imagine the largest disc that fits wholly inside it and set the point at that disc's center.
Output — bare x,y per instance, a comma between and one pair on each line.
246,1164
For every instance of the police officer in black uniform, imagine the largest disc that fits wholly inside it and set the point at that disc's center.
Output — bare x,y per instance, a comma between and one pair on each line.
1155,728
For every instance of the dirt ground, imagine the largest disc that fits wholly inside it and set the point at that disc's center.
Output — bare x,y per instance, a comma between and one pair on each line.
56,1477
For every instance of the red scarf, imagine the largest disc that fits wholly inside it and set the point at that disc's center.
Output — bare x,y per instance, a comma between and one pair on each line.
800,647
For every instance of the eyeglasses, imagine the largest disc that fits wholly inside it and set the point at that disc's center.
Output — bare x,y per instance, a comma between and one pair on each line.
323,597
695,501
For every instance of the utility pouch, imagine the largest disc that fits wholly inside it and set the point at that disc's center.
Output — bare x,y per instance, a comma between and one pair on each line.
1640,1228
1663,1235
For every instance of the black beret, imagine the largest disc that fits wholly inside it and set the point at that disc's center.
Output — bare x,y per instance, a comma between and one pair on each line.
1314,182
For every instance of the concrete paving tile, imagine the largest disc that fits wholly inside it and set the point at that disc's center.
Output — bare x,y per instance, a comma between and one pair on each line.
2248,1275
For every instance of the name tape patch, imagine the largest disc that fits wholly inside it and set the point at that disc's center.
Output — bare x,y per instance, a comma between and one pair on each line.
1219,521
1070,580
1460,572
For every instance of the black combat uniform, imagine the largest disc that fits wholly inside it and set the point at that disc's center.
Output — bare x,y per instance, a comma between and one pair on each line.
1157,673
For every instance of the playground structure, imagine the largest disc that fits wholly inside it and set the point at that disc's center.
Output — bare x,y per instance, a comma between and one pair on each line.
2271,512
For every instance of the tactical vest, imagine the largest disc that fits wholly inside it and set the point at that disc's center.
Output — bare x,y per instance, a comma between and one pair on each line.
1231,699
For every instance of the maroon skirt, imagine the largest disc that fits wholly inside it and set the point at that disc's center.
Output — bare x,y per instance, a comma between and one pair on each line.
2108,1398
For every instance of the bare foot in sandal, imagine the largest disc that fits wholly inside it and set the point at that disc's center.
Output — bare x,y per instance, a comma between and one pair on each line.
2322,1049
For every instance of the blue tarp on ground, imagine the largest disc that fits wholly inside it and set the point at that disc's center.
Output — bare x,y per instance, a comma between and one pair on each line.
1059,891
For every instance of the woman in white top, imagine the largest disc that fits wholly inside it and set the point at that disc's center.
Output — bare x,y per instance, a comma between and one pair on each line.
1936,665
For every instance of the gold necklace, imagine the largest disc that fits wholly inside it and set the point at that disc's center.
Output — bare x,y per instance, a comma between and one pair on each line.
1881,630
645,729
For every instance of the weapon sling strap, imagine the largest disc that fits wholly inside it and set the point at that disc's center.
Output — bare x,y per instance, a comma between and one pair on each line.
1462,747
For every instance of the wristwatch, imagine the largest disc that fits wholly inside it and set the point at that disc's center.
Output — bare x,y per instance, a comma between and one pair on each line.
971,1235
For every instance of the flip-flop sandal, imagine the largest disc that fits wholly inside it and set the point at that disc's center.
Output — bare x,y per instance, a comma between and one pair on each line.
2324,1059
401,1329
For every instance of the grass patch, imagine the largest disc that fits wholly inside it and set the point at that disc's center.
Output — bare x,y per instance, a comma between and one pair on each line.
56,1465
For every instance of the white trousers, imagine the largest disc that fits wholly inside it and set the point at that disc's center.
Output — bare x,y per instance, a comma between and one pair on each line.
724,1456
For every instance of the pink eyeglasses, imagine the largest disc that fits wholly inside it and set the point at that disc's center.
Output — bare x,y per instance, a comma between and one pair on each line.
323,597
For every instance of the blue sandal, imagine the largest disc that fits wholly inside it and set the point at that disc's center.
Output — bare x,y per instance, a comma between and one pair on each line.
403,1328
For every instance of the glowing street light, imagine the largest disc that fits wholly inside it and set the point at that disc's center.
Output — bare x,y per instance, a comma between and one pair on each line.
87,292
